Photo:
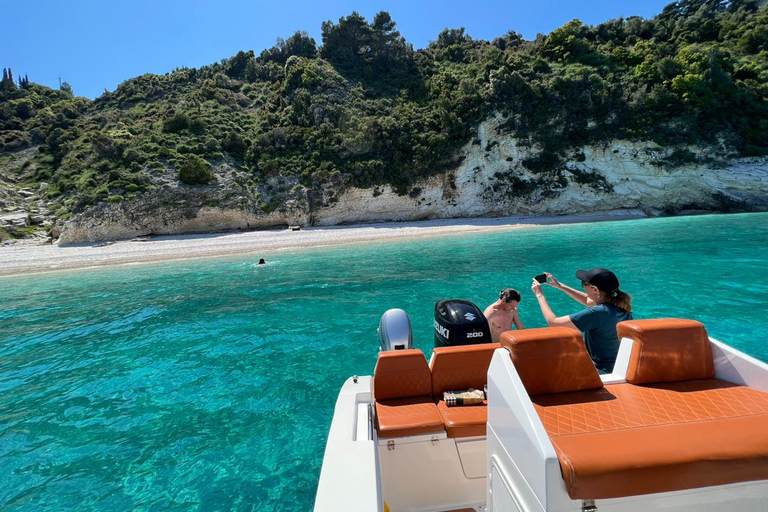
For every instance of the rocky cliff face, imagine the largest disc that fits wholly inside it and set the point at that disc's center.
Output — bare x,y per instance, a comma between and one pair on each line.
491,181
622,175
23,211
181,209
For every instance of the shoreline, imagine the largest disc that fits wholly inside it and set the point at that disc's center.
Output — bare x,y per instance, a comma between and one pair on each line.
29,260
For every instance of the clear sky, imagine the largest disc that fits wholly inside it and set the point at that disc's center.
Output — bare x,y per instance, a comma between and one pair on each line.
96,45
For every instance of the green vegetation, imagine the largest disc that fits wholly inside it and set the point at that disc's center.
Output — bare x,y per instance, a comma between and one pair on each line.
195,171
366,109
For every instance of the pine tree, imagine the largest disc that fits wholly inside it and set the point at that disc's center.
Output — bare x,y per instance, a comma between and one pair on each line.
7,84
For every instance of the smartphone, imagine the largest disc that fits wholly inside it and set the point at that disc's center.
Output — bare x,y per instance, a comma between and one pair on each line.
542,278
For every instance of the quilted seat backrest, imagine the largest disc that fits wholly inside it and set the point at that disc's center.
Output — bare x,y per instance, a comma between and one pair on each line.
401,374
667,350
551,360
461,367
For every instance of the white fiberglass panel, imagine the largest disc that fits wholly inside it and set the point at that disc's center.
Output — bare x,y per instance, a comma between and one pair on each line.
514,420
349,476
739,368
502,499
472,456
426,475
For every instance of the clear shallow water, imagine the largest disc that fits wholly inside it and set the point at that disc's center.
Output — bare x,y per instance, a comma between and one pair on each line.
210,385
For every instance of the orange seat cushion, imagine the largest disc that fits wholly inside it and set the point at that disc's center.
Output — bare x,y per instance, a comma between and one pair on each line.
627,440
398,417
667,350
665,458
401,374
456,369
551,360
461,367
401,389
464,420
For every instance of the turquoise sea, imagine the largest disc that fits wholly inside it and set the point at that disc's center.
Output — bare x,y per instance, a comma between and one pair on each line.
209,385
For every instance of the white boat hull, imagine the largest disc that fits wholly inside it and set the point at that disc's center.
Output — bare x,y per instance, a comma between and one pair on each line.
513,469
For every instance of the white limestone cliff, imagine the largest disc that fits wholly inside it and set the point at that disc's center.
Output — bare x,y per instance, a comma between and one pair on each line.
491,181
624,175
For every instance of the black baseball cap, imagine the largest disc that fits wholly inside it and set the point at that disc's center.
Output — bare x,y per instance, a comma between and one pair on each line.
604,279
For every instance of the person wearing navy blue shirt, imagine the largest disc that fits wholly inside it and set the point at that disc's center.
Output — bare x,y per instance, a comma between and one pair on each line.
606,305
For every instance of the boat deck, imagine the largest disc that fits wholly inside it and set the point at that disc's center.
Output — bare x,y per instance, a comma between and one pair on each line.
678,426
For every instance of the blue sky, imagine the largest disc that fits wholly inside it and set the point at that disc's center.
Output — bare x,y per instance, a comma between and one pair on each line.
96,45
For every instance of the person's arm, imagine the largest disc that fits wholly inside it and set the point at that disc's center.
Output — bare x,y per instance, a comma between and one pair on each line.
516,320
549,315
577,295
489,310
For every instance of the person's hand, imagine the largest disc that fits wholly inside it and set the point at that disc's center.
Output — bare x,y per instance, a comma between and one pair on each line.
536,288
551,281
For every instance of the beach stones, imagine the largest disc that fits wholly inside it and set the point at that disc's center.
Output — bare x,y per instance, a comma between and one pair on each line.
14,219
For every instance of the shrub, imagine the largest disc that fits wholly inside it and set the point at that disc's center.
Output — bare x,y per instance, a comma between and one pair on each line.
197,126
196,171
176,123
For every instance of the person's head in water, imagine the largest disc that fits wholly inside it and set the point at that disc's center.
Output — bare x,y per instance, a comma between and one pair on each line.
509,299
262,262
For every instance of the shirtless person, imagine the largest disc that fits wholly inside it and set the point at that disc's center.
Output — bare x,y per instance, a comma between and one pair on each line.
503,313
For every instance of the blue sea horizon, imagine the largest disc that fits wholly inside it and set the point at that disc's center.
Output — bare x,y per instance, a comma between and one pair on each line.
210,384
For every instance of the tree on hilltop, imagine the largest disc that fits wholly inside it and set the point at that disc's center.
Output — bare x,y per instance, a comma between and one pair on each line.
299,44
236,66
374,52
7,84
347,43
449,37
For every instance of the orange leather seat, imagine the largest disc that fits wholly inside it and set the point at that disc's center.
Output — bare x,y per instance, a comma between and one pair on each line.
626,440
667,350
551,360
399,417
456,369
464,420
401,388
680,430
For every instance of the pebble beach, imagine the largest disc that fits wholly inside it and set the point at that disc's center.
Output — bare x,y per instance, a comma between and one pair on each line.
17,259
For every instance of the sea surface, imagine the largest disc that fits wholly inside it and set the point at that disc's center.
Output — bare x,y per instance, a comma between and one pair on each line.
209,385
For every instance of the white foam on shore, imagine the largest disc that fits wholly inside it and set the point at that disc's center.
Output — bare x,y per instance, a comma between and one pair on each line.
21,260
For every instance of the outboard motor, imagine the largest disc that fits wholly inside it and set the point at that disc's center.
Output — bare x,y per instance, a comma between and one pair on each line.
459,322
395,330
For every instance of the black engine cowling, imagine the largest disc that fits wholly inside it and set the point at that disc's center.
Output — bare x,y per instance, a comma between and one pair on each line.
459,322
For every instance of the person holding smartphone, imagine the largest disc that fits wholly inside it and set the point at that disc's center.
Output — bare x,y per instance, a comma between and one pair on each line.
606,305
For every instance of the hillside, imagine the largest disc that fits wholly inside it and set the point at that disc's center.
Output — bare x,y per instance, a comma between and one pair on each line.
316,134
